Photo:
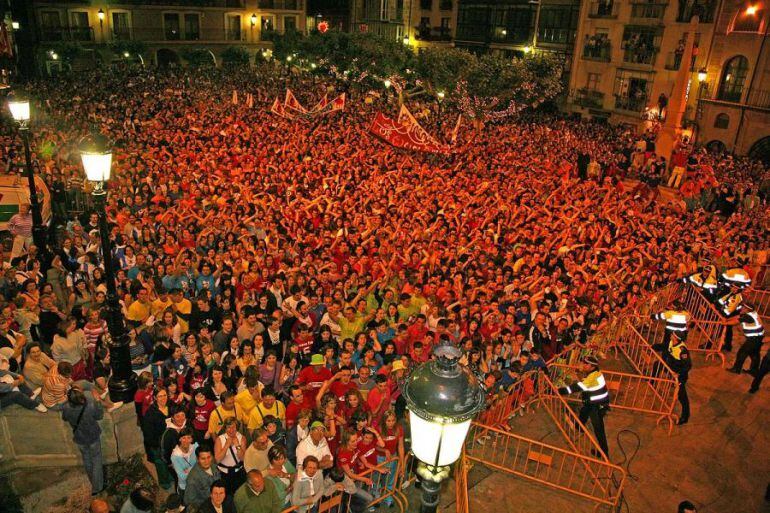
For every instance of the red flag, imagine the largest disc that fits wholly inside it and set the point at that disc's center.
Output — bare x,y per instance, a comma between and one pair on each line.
278,109
321,105
338,103
292,103
5,41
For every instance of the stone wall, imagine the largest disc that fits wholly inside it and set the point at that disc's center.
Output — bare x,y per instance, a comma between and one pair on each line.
29,439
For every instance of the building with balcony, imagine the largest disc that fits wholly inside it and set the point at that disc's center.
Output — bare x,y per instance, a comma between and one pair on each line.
629,54
734,98
513,27
166,27
418,23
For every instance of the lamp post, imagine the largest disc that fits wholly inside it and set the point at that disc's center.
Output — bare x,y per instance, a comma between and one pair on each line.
442,397
253,24
20,111
96,156
440,99
100,15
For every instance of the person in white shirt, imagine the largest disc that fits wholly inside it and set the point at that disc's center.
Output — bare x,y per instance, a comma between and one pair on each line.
315,445
183,458
309,486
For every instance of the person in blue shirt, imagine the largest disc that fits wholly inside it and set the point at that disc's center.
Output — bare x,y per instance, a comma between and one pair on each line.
384,332
177,361
206,281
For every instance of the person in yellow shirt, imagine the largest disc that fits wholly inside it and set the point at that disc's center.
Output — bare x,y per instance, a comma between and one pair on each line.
162,302
139,310
228,408
269,406
249,397
183,308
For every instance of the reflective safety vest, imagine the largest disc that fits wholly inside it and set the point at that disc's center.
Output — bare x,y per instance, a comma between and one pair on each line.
593,388
737,276
676,320
709,284
678,358
730,303
753,328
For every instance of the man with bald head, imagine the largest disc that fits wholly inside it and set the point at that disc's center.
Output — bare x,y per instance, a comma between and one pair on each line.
99,506
257,495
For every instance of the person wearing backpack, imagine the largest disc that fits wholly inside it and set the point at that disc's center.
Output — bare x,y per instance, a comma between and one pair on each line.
83,414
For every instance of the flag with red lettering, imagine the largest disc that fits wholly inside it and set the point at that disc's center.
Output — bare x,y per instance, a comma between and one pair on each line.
322,104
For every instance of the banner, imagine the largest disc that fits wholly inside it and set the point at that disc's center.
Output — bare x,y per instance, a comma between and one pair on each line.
406,133
291,108
456,128
292,103
322,104
278,109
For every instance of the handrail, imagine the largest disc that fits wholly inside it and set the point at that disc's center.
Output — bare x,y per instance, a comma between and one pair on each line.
380,485
594,479
642,394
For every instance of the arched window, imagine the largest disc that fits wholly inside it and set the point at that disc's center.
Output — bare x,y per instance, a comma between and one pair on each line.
722,121
733,78
760,150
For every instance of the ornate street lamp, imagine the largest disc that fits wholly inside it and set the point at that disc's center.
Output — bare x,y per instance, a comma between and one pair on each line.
442,397
20,111
96,155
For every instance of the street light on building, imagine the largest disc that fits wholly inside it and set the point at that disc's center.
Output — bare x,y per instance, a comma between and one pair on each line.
751,10
20,110
443,397
96,155
100,15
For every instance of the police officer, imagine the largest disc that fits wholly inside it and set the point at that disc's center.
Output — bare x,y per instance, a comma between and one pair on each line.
596,399
705,280
677,357
754,332
677,319
730,300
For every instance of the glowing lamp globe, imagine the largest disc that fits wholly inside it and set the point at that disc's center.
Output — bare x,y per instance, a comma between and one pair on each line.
19,108
443,397
702,75
100,15
96,155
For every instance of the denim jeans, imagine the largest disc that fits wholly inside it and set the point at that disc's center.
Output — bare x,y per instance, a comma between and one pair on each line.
22,398
92,461
384,482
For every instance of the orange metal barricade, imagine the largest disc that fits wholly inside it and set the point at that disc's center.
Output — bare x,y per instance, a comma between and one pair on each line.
382,488
631,392
461,484
760,300
710,325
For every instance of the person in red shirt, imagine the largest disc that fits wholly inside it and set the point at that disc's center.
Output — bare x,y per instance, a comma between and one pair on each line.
354,403
339,385
393,438
378,399
299,401
418,354
200,411
312,378
368,447
348,458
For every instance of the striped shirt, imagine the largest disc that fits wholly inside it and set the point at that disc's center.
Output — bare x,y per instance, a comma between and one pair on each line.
21,225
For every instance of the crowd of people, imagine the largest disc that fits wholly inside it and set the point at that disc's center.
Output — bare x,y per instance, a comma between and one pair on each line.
281,277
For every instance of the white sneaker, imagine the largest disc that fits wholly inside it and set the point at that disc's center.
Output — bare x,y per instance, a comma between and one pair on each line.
115,406
36,392
41,408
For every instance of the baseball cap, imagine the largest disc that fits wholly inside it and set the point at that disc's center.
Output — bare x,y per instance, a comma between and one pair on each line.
317,424
317,359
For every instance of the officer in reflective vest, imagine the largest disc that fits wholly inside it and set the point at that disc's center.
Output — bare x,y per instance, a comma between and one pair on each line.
677,357
676,318
754,333
596,399
730,299
705,281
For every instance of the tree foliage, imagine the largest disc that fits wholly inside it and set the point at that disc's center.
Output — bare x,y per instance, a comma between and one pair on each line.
121,47
197,56
235,56
440,69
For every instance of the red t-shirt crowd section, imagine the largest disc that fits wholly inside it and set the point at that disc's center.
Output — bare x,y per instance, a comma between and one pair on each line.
289,273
